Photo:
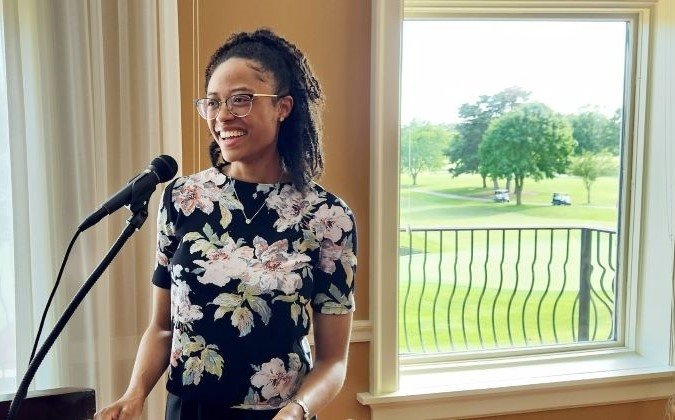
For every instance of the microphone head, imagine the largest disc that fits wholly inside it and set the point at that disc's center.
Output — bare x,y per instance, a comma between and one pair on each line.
165,167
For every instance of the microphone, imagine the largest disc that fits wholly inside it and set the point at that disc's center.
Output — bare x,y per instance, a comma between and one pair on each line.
161,169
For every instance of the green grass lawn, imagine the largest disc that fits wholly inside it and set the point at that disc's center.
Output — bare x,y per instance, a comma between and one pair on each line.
449,321
425,205
471,296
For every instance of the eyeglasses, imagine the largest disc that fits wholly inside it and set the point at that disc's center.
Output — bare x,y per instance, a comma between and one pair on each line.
239,105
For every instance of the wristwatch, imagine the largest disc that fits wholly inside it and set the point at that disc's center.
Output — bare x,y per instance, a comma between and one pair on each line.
305,409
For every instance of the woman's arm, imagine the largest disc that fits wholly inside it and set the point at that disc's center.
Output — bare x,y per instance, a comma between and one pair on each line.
322,384
151,361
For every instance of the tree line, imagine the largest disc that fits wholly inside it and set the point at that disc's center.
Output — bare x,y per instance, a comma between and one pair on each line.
507,138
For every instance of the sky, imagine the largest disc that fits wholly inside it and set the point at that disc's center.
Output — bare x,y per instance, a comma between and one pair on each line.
567,65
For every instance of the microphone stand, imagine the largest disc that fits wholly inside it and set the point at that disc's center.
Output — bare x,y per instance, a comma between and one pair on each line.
134,223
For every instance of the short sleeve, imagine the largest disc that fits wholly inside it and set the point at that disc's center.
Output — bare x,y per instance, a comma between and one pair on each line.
333,274
166,239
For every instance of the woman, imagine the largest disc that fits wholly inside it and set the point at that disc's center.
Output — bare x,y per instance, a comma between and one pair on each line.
244,248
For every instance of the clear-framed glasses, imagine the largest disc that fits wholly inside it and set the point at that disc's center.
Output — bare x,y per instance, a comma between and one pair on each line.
239,105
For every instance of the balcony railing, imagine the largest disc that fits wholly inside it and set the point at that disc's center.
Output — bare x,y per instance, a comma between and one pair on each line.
474,288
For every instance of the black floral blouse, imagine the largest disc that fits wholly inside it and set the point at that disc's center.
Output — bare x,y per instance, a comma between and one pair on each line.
240,291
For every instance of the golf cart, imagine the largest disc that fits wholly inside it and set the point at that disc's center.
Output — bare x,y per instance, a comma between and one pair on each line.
561,199
501,196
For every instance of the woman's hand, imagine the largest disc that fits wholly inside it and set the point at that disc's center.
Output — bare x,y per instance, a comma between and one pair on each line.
291,411
126,408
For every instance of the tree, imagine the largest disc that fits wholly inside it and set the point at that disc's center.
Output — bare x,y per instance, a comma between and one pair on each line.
530,141
463,153
422,145
589,167
613,136
596,133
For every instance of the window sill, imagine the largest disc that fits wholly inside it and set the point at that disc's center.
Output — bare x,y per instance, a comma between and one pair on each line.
529,384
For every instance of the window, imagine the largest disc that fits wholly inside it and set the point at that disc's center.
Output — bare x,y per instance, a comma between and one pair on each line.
511,183
639,365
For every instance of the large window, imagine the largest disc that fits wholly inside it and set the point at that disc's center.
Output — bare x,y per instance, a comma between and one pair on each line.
533,324
511,183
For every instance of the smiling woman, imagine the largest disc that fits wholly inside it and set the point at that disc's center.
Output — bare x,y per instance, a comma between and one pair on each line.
247,68
247,140
246,248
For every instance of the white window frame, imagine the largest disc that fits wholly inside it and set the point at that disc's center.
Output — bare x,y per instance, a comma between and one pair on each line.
641,366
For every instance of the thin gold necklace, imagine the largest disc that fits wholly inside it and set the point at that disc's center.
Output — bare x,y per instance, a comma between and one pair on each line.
247,219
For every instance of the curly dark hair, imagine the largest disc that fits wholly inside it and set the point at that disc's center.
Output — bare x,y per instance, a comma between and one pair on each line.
299,141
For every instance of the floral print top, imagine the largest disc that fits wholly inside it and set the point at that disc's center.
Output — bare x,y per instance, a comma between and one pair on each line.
240,292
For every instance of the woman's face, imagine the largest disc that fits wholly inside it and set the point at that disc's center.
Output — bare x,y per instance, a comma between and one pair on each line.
251,139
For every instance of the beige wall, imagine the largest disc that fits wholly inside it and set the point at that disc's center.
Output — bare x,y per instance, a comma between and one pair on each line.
335,35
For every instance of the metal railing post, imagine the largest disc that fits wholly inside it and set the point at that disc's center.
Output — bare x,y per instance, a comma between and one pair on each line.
585,269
